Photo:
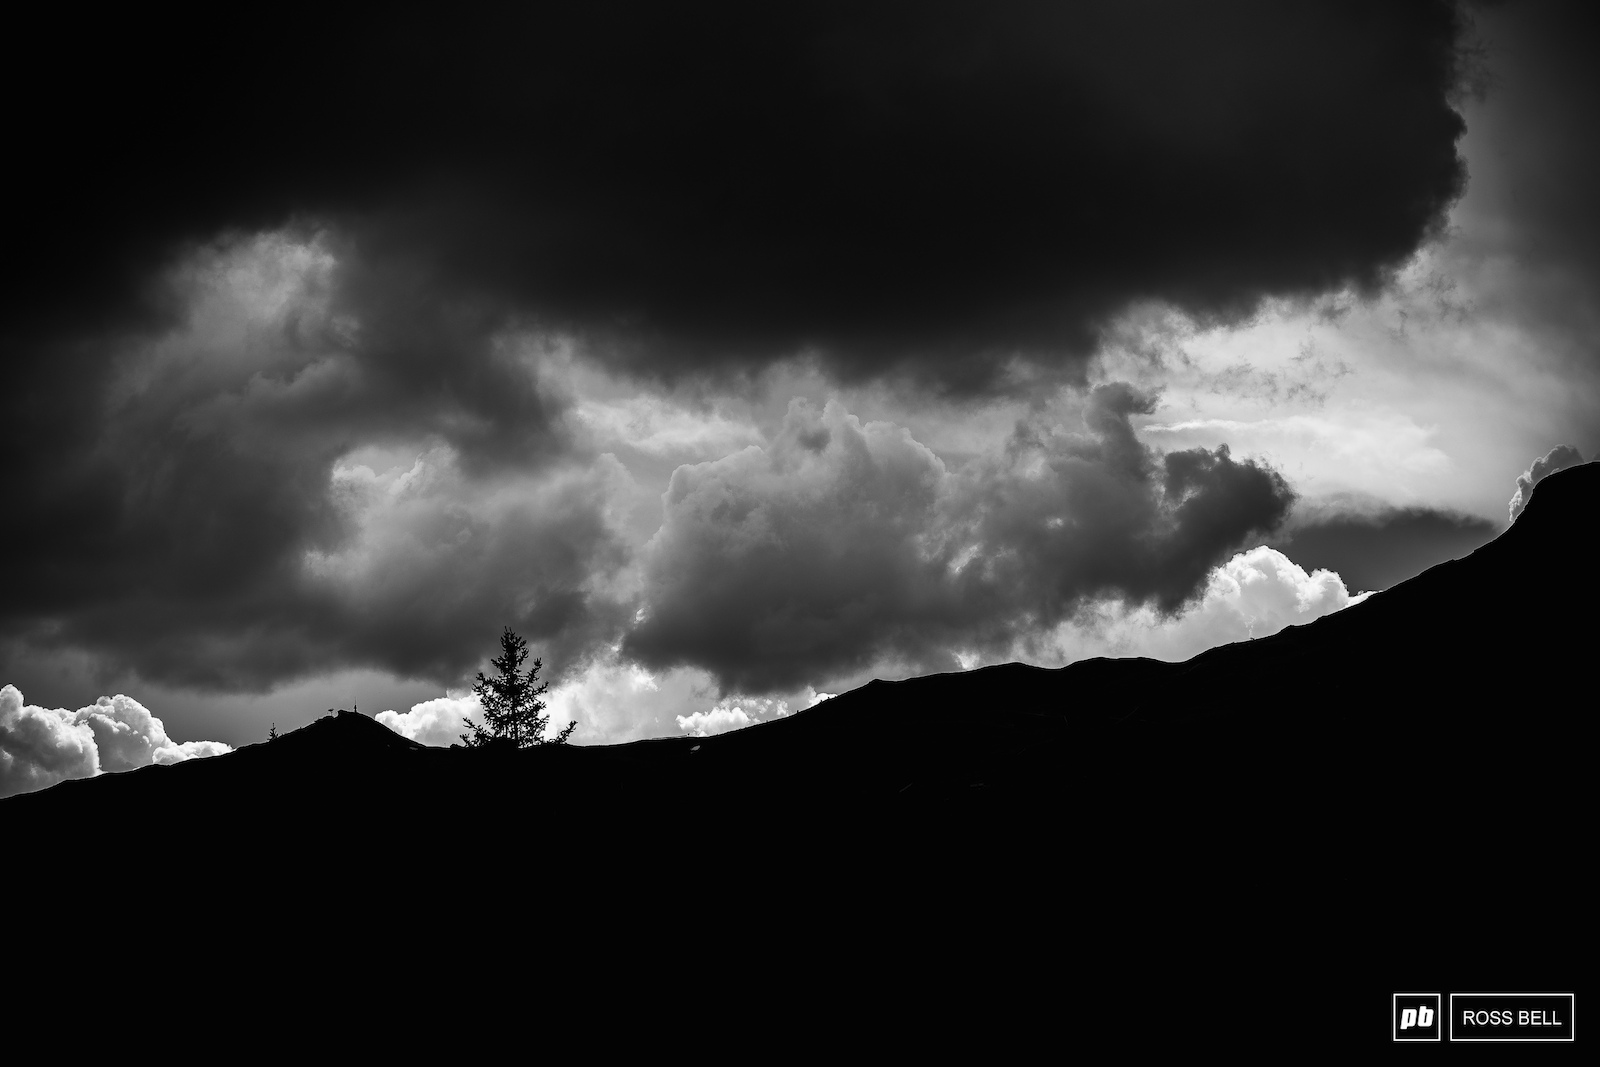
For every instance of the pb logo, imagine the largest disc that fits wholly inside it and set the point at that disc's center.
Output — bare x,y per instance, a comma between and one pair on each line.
1416,1017
1410,1017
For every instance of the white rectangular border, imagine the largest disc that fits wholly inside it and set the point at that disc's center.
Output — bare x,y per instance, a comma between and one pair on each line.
1394,1017
1572,999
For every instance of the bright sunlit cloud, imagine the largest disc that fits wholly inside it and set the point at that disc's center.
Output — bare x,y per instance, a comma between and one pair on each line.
42,746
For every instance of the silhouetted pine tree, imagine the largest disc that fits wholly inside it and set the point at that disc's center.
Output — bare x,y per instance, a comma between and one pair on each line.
512,711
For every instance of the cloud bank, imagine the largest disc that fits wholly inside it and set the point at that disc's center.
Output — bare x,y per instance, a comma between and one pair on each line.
42,746
287,394
841,544
317,467
936,186
269,493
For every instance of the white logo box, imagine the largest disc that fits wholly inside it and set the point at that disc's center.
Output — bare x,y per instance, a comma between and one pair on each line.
1394,1013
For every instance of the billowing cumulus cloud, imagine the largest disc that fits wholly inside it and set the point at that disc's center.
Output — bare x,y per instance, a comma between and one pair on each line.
439,722
128,736
1254,594
430,555
735,713
614,701
317,466
42,746
716,721
841,543
1558,458
775,562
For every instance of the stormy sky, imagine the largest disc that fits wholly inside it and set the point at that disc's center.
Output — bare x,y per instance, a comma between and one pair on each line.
737,354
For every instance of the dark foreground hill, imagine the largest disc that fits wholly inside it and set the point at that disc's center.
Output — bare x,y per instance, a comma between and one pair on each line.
1284,830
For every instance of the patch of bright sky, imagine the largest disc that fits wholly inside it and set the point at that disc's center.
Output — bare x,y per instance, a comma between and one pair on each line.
1478,358
1438,392
1418,397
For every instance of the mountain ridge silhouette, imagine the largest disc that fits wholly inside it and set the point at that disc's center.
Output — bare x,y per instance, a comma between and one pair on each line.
1385,795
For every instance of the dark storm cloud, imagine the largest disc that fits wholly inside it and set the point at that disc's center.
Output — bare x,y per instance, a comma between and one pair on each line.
928,188
189,516
1378,550
936,185
1541,106
842,542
